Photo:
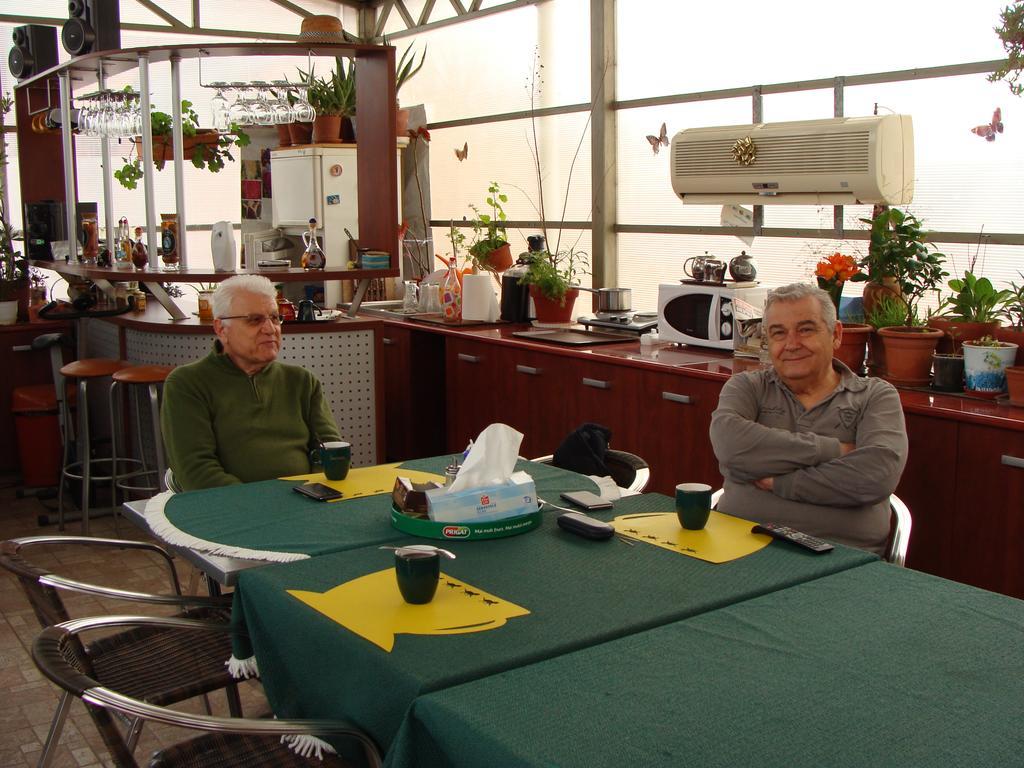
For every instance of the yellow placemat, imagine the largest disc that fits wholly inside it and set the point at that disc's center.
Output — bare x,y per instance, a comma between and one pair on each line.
368,481
373,608
724,538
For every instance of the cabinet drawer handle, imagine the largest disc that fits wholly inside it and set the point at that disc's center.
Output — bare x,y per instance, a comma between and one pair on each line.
529,370
469,358
386,341
22,348
675,398
597,383
1013,461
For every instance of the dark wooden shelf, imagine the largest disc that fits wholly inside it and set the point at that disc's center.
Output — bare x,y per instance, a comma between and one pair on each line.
192,275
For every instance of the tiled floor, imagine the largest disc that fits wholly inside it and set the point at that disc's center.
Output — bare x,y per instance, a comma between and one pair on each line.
28,700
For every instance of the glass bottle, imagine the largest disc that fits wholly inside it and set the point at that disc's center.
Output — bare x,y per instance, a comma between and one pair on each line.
140,254
451,296
169,240
90,238
313,257
123,247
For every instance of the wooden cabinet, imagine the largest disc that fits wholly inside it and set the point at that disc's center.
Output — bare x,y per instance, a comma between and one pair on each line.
987,513
476,391
413,381
23,366
537,401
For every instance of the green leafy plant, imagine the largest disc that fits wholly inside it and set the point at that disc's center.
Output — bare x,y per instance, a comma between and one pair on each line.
888,311
986,341
489,232
335,94
555,273
457,238
975,300
1012,310
406,68
212,156
1011,34
897,250
13,268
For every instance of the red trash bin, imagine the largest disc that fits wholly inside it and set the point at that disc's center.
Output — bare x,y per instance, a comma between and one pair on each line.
35,420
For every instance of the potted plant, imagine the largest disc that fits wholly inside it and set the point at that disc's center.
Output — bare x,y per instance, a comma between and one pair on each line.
552,277
887,312
970,313
832,274
898,258
405,70
205,147
985,364
1012,312
334,99
1011,34
490,249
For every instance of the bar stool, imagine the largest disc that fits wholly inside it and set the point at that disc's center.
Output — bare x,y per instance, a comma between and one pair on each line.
140,477
81,372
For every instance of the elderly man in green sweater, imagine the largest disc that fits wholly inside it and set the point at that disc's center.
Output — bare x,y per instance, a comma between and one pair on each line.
238,415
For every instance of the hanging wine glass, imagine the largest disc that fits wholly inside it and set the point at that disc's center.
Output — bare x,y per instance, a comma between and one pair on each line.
283,113
240,112
302,109
219,105
262,112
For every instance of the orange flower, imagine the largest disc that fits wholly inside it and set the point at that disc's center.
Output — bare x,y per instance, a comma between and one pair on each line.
837,268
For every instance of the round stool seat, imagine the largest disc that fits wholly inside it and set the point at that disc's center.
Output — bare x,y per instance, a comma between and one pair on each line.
143,374
92,368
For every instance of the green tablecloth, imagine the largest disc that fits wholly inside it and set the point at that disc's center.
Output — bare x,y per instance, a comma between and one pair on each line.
579,593
874,666
268,516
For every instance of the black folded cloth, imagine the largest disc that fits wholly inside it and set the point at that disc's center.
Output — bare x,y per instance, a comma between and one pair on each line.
584,450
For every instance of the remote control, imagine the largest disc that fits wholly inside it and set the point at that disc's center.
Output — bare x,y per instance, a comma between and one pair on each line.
793,536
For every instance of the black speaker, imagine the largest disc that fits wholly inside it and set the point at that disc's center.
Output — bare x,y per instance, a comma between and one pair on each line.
93,25
35,50
45,224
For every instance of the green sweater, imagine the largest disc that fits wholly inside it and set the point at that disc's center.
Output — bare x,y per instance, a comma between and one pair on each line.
223,427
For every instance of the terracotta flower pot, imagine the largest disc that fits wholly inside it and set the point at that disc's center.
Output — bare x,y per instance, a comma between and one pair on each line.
500,259
1014,336
163,147
853,346
402,122
1015,384
956,332
551,310
326,129
908,354
875,363
301,133
284,136
872,291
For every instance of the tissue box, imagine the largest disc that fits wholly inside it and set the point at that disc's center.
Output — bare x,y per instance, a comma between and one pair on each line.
516,496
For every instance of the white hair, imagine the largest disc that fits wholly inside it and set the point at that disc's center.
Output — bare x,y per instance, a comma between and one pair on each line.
227,291
798,291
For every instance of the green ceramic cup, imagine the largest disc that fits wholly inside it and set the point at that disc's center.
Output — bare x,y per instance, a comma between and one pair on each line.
335,458
693,505
418,573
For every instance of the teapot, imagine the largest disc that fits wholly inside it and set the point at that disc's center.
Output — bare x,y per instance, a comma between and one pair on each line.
697,271
285,309
714,271
307,311
742,268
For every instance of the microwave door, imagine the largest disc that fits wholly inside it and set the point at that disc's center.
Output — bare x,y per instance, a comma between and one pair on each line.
691,314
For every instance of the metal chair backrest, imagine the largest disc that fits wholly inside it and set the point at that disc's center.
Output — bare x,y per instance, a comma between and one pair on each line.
628,470
57,652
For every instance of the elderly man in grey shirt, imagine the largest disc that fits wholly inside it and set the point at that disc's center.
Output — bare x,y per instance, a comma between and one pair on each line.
807,443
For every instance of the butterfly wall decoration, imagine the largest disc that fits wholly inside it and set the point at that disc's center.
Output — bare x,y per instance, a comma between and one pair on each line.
988,132
463,153
659,141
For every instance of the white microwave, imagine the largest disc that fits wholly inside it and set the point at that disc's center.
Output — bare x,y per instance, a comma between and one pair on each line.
703,314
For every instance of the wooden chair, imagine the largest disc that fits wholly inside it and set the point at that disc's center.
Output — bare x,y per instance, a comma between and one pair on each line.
230,742
161,669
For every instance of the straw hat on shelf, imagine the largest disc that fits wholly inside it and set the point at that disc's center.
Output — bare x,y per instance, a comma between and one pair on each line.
321,29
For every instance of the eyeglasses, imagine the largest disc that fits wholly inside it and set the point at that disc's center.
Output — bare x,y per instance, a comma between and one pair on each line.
255,321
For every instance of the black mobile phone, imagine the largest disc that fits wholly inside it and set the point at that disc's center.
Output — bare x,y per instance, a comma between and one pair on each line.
318,491
587,500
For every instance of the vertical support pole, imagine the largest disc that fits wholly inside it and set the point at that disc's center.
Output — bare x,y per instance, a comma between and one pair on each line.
147,163
603,148
757,117
179,160
70,201
837,111
108,195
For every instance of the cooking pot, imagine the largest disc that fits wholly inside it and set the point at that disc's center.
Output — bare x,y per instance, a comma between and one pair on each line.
611,299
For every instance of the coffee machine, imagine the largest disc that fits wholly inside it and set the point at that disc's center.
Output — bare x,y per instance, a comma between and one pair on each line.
45,223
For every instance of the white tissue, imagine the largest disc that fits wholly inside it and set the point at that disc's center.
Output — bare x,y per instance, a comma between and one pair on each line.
491,459
478,299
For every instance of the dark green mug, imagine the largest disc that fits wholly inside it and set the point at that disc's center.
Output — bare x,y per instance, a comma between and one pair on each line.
693,505
417,572
334,457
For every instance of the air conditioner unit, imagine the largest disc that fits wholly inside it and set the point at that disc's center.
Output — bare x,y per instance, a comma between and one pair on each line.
843,160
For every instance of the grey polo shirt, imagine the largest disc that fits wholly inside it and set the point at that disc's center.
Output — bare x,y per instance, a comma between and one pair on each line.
761,429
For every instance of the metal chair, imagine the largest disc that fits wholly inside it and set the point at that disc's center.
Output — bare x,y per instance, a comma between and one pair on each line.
231,742
899,528
162,669
628,470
